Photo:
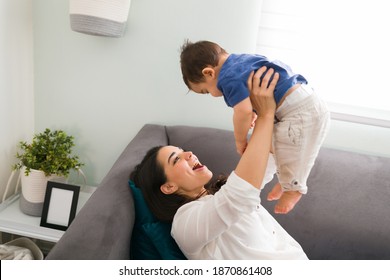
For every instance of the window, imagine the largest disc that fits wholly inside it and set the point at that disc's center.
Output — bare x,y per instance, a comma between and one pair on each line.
340,46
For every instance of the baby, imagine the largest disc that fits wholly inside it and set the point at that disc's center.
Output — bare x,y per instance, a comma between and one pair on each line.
301,119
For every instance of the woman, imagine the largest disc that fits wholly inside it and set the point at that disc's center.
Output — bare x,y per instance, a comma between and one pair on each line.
230,224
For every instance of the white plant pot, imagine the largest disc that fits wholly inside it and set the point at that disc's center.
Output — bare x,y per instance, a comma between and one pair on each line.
34,189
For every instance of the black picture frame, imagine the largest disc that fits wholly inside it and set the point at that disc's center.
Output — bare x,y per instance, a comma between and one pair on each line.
60,205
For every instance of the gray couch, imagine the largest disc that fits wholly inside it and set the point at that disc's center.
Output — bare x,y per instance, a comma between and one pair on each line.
345,215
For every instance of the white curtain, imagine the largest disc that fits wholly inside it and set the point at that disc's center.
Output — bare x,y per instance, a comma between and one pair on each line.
341,47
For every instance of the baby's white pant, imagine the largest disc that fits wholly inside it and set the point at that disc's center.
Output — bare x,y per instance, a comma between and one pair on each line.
302,123
269,172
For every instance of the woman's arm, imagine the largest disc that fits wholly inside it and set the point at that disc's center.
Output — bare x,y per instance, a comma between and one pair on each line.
253,162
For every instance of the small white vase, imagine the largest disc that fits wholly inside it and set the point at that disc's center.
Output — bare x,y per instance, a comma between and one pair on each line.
34,189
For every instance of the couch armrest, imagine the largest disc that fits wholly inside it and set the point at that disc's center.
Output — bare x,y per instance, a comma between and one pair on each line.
103,227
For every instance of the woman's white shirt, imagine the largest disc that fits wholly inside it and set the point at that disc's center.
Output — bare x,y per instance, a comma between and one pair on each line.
232,224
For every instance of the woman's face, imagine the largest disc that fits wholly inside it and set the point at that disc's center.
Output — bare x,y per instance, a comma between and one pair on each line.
184,171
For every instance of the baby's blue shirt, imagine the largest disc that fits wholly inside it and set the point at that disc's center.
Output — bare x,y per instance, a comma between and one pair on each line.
232,80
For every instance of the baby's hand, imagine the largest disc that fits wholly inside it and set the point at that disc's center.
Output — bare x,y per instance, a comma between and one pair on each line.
241,146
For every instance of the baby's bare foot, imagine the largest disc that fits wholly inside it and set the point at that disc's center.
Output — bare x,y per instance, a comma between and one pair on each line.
287,202
275,193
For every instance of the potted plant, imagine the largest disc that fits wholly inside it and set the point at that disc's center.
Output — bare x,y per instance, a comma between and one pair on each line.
47,157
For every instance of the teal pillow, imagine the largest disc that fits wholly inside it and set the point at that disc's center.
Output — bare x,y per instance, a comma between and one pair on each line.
151,239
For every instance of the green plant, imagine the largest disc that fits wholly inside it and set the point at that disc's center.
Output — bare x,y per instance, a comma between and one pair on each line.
50,152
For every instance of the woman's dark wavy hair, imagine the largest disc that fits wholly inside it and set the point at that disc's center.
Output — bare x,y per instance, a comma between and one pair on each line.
149,176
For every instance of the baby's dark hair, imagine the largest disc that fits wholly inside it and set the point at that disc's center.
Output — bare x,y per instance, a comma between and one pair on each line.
195,57
149,176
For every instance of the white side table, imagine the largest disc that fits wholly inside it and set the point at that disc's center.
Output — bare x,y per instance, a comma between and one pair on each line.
14,221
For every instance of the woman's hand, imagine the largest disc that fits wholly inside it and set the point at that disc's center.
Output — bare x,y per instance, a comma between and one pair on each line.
253,162
262,91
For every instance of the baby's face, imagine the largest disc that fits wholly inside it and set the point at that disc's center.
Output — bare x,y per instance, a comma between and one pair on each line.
207,87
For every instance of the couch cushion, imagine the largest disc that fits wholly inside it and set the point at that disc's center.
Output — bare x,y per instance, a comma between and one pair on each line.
151,239
345,214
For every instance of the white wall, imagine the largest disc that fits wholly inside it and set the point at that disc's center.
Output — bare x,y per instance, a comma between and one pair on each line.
16,81
103,90
365,139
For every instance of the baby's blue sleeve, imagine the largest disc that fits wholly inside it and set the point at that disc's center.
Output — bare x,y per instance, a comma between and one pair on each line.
234,92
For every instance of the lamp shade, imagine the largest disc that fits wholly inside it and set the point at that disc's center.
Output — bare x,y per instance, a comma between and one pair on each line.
99,17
